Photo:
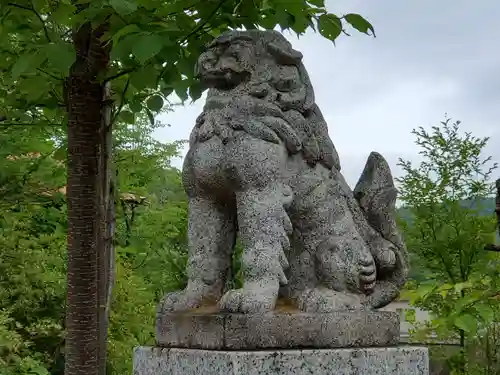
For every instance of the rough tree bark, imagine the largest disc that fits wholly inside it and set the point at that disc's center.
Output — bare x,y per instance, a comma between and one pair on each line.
85,102
106,216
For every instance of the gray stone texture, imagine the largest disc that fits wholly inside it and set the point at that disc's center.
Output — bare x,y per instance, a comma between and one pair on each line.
371,361
262,166
341,329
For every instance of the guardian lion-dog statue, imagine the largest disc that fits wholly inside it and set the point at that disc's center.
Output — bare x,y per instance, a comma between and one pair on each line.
262,166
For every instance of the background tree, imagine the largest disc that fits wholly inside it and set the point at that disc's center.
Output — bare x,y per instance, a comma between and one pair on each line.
59,59
33,229
446,231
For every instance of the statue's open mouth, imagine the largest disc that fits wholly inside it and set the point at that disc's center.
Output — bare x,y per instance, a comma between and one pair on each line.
225,79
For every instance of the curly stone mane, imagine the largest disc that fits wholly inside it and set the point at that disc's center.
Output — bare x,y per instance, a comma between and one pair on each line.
276,79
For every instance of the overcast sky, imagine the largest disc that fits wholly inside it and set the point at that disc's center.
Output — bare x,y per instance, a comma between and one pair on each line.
430,57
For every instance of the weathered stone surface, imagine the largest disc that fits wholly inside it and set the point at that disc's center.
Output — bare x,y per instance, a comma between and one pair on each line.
261,161
369,361
278,330
262,166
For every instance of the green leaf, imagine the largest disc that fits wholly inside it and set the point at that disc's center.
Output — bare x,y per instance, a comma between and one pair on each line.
423,292
27,62
127,117
486,281
284,19
35,87
155,103
63,13
61,153
466,323
147,46
145,77
265,5
167,90
410,316
359,23
268,22
129,29
444,289
301,24
195,90
135,106
486,313
466,301
181,90
122,48
330,26
461,286
61,56
124,7
39,5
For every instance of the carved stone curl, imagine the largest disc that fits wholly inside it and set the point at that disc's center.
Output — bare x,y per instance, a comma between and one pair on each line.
261,165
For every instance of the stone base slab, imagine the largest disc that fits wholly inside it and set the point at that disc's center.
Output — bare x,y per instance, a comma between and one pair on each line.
366,361
341,329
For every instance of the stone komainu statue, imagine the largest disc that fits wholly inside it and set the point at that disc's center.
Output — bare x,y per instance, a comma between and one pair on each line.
261,165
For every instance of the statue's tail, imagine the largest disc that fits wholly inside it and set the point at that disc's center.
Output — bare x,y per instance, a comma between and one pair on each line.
376,195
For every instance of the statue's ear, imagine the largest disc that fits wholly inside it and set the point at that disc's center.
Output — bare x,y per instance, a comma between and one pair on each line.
283,56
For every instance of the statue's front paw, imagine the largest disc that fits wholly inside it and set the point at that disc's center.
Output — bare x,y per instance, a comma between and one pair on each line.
249,300
387,259
178,301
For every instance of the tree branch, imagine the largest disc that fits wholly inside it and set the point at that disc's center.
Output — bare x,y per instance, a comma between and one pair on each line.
32,9
492,247
122,102
202,24
193,32
49,74
120,74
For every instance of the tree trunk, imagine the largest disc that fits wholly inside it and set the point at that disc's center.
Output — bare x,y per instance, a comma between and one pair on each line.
85,102
105,245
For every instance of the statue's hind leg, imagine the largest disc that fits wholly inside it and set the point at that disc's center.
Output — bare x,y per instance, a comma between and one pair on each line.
343,265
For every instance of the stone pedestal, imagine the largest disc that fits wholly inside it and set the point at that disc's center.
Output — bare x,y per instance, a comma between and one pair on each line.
284,342
353,361
278,330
